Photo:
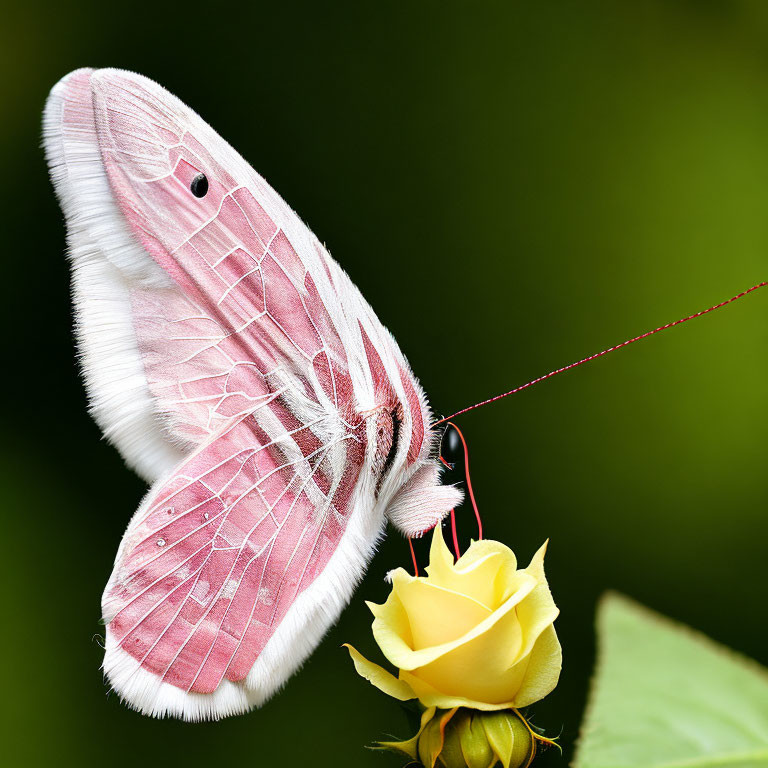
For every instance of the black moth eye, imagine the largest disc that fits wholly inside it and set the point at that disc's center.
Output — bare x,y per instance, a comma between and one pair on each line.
199,185
451,447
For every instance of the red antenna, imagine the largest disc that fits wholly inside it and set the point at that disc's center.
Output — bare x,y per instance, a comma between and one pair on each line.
536,381
471,493
600,354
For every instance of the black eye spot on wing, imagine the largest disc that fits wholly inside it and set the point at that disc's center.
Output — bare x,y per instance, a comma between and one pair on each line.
199,185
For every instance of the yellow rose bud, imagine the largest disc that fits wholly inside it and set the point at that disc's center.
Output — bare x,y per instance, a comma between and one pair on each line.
476,633
465,738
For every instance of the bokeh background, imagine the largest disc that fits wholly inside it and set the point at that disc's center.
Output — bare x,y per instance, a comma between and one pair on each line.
512,187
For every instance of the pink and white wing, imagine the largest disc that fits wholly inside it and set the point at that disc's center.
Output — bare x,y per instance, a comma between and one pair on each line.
216,594
233,364
168,352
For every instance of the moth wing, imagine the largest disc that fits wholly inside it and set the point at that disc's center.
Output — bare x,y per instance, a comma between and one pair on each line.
165,365
237,366
229,572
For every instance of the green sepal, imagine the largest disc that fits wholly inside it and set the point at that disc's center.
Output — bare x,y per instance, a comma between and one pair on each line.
475,748
410,746
430,745
509,738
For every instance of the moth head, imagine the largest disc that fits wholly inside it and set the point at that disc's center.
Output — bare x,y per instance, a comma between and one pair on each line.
424,500
405,446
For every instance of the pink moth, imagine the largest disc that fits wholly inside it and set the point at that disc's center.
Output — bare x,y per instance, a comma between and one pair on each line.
238,370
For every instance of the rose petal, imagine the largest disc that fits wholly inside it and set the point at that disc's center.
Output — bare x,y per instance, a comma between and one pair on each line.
394,628
478,671
543,672
429,696
482,571
437,615
538,610
488,557
478,550
406,658
440,557
484,669
378,676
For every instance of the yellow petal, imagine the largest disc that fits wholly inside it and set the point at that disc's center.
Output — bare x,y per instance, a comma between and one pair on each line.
477,672
483,668
429,696
406,658
391,626
437,615
491,666
480,556
440,557
543,670
479,572
480,549
538,610
378,676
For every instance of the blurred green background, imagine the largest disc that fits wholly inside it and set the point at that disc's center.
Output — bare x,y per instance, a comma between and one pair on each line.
512,187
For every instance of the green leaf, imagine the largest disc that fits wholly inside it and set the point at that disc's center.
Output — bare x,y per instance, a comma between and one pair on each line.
664,696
